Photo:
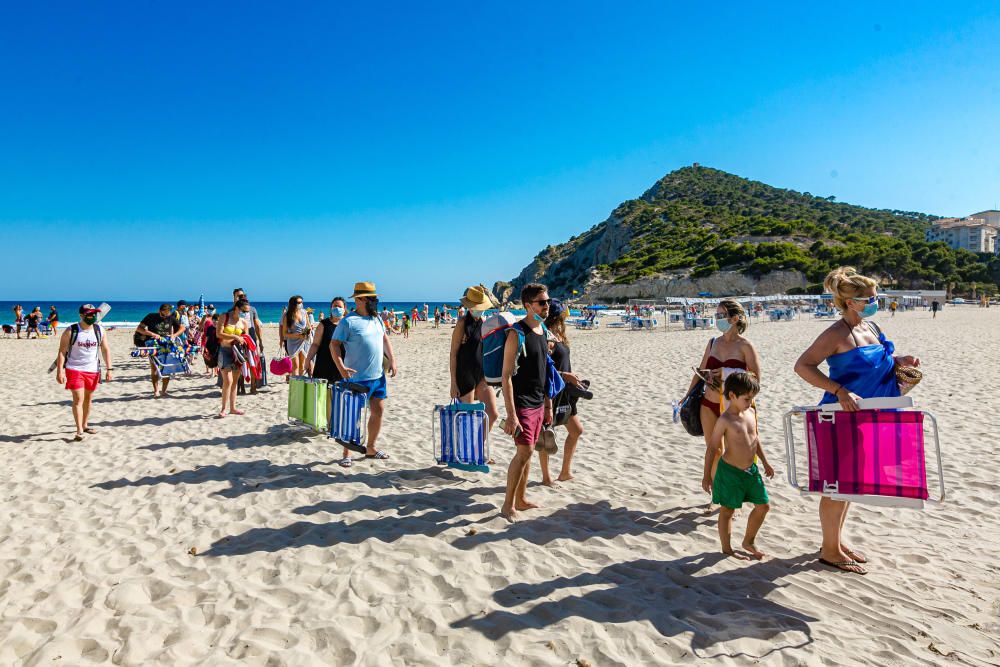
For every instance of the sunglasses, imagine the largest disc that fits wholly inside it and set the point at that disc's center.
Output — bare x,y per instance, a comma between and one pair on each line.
542,302
864,299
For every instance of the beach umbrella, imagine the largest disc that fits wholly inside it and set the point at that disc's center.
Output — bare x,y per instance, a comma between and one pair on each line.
201,306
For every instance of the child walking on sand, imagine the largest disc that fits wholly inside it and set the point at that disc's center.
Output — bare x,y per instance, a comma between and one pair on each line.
737,479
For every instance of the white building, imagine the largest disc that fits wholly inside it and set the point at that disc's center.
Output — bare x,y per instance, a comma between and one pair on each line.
977,232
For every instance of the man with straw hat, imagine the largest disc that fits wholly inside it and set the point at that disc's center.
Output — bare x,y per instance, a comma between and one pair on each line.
365,341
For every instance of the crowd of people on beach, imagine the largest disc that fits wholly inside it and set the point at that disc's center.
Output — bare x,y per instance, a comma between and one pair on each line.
353,343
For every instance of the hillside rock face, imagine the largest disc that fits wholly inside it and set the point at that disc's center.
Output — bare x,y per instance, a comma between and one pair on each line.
681,284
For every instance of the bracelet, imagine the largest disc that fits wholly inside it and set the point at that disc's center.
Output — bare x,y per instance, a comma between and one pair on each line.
837,390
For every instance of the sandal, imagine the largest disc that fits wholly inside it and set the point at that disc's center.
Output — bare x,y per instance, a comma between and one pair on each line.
345,462
846,565
379,454
856,556
78,437
89,430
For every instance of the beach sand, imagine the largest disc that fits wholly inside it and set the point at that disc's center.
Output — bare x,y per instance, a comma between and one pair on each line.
173,538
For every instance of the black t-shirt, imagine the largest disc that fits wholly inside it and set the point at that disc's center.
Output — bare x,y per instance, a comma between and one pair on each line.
560,357
161,326
532,369
54,316
33,318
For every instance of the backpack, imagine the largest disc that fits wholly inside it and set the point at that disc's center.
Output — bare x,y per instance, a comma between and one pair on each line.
493,332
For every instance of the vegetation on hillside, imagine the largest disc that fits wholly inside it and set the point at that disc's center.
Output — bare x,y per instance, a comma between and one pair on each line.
707,220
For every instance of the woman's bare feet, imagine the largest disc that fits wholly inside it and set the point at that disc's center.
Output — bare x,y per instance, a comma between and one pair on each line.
547,481
735,554
524,505
754,552
564,477
508,513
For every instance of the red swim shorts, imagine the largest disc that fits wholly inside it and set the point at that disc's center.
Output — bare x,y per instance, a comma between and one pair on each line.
82,380
531,425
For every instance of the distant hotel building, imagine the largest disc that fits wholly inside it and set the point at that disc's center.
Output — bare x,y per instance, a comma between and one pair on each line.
977,232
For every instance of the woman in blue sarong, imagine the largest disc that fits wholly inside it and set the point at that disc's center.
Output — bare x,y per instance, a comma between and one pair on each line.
862,364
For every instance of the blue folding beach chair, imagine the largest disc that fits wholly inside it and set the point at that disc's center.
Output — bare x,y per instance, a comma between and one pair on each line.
463,442
170,360
349,415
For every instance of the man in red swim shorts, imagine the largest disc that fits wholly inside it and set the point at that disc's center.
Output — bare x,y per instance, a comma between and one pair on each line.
78,364
527,402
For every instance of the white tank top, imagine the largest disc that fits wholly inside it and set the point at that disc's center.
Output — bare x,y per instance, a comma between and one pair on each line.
83,354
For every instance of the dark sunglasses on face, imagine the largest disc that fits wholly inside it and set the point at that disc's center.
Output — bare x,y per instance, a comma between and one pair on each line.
542,302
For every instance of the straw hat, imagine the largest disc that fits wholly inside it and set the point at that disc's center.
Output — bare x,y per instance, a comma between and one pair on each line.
476,298
364,289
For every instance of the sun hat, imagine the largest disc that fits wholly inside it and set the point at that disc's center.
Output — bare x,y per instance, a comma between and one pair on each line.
88,308
476,298
364,289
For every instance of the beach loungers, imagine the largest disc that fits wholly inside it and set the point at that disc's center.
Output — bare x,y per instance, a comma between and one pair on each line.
170,360
460,435
349,415
874,456
309,402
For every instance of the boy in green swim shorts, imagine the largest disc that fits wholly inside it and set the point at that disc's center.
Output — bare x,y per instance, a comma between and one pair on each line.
737,479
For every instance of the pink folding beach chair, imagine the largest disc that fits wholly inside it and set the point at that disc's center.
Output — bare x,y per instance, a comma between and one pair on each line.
874,456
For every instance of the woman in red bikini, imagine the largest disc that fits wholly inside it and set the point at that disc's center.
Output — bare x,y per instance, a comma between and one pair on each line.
724,354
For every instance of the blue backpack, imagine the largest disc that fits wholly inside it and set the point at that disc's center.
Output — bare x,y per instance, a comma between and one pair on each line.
493,332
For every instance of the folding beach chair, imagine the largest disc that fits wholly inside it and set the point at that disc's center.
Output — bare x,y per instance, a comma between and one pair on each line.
309,402
349,415
170,360
8,331
463,441
874,456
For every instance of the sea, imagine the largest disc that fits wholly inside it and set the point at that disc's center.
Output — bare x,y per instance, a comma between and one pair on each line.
125,313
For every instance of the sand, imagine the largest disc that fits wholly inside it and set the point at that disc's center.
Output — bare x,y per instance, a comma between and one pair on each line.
173,538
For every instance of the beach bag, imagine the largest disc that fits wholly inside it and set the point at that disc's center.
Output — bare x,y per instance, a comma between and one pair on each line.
562,408
691,410
281,366
493,332
460,436
554,383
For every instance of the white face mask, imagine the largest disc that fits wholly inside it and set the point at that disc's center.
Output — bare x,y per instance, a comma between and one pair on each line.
477,313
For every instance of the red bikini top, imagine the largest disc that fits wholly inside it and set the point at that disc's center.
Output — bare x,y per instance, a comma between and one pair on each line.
714,362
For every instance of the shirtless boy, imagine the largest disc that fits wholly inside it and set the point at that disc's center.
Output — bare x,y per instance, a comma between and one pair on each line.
737,479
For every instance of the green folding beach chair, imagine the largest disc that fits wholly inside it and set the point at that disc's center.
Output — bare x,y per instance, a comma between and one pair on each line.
309,402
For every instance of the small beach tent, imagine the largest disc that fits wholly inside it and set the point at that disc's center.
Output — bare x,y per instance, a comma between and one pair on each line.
874,456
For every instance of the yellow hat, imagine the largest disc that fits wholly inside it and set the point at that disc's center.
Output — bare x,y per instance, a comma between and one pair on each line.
476,298
364,289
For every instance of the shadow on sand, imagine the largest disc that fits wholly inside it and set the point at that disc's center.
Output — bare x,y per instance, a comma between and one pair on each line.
715,608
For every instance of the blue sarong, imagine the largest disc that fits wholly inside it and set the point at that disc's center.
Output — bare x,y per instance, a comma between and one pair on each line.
868,371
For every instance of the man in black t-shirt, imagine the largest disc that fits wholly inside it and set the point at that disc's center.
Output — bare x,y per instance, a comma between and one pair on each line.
524,393
160,325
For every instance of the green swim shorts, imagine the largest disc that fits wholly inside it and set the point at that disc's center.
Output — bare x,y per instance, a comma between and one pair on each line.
732,486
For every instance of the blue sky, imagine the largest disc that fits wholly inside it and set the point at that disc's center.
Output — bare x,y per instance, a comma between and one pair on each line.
295,148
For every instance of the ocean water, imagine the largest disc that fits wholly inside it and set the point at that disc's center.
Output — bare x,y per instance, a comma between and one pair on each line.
131,312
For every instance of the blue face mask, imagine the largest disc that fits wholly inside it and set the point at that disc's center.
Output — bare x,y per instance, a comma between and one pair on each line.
723,325
337,312
869,310
537,317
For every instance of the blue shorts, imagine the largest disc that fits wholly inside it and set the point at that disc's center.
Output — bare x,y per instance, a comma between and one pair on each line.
376,388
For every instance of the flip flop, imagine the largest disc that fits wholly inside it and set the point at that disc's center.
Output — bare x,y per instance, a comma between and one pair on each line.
90,430
857,556
78,437
377,455
345,462
845,565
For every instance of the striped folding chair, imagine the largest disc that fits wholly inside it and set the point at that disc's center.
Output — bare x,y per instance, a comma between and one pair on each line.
460,434
349,415
874,456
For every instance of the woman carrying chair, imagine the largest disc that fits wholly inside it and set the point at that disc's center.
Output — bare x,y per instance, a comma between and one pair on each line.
861,366
468,383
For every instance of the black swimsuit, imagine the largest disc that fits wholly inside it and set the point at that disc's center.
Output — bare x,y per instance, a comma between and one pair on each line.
469,360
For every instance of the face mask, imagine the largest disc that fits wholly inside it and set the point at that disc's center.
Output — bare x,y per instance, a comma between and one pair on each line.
477,313
337,312
537,317
90,319
723,325
869,310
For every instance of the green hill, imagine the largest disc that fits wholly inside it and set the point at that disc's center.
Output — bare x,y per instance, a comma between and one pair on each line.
697,221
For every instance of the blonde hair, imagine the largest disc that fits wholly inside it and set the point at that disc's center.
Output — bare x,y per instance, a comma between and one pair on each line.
734,308
846,283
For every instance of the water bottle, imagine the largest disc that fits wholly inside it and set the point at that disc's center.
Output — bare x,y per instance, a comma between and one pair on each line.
677,411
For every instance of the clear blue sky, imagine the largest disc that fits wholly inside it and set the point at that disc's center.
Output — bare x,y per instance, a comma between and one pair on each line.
158,149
